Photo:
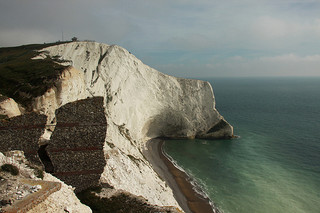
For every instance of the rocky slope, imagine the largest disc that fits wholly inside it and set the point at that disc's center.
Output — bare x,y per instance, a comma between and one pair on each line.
13,189
8,107
140,103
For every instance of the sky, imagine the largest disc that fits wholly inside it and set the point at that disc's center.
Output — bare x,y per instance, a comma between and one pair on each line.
184,38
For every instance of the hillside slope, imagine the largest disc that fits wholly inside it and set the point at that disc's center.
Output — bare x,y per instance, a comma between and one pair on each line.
140,103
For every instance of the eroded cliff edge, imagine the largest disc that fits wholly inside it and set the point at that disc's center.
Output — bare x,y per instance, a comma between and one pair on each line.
140,103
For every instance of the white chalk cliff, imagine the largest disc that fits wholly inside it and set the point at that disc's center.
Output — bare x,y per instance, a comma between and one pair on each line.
9,107
140,103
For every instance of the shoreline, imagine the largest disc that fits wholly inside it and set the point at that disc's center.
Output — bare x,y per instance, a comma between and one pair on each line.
183,190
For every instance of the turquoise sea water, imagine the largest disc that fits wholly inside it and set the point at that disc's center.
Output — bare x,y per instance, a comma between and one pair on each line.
275,164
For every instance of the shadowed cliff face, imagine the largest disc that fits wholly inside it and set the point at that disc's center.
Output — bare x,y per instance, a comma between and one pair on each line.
171,124
45,159
167,124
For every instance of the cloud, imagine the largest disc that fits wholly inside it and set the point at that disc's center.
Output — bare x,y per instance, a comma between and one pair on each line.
223,34
273,28
269,28
281,65
292,58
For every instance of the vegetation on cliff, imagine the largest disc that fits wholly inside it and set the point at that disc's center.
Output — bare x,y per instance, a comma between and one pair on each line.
10,168
23,78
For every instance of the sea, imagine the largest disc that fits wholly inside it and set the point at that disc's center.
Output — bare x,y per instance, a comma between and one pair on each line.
274,165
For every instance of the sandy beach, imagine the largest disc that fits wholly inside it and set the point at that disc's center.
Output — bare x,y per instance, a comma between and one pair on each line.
189,200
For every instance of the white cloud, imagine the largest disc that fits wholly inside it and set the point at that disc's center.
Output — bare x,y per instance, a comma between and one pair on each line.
292,58
267,27
281,65
232,32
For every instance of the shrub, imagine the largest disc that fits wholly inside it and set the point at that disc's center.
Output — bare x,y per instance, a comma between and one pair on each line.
38,173
10,168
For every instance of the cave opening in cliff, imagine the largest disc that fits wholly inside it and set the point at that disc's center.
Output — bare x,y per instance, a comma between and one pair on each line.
45,159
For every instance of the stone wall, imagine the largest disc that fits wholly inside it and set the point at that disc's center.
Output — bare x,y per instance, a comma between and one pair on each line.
22,133
75,150
76,145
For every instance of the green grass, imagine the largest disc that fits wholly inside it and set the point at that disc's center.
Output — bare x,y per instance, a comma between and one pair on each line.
23,78
38,172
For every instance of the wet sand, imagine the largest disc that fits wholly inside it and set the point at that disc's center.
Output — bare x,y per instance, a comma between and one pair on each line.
189,200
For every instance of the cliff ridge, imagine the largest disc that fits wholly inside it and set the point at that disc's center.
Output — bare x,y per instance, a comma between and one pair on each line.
139,104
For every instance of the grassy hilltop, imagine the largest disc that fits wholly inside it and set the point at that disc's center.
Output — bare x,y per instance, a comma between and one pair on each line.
23,78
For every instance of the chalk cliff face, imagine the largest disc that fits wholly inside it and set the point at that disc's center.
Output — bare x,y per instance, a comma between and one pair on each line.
9,107
140,103
149,103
